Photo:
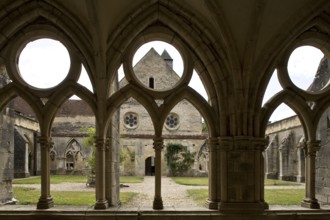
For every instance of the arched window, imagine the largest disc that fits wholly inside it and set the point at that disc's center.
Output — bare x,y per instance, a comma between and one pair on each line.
151,83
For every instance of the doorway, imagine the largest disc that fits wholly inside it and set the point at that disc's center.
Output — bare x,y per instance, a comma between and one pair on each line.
150,166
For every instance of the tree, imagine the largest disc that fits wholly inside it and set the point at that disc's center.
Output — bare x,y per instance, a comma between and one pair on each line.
88,141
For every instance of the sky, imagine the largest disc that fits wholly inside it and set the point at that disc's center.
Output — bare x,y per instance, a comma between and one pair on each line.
51,57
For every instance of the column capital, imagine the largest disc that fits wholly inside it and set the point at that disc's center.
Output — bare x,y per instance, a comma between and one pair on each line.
212,143
243,143
100,143
158,143
313,147
45,142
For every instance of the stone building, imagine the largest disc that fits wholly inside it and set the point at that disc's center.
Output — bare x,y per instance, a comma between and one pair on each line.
233,45
183,124
285,154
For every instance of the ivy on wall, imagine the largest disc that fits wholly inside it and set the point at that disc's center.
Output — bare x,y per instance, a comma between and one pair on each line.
179,159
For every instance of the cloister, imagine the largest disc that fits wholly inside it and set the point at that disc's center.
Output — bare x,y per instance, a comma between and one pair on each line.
234,46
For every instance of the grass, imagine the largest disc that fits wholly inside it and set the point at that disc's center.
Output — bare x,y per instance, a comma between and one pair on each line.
30,196
271,182
284,196
203,181
131,179
272,196
191,181
56,179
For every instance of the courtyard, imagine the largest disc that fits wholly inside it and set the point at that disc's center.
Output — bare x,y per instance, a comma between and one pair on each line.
138,192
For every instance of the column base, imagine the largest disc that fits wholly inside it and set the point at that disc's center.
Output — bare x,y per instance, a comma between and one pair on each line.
158,203
310,203
241,207
266,205
45,203
101,204
211,204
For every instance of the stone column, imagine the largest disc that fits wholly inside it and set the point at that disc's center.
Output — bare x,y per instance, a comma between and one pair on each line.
242,174
108,168
310,201
212,145
45,200
158,146
101,202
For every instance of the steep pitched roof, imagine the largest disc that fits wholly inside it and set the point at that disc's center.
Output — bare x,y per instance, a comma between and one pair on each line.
153,65
166,56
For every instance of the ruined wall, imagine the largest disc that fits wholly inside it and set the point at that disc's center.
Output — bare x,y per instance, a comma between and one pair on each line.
68,155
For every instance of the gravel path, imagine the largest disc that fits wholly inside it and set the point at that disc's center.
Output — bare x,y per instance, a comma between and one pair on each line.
173,195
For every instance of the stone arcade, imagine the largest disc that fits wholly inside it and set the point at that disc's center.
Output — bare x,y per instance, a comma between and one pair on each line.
233,45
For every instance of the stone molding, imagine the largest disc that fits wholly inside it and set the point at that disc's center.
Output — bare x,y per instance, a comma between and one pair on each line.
242,143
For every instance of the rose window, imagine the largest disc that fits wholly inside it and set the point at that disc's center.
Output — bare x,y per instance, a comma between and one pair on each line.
131,120
172,121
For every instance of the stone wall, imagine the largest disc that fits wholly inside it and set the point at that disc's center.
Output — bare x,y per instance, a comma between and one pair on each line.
6,148
182,126
284,155
7,156
323,161
68,155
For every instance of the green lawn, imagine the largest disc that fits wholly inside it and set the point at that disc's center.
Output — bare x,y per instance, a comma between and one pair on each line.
203,181
192,181
271,182
56,179
272,196
28,196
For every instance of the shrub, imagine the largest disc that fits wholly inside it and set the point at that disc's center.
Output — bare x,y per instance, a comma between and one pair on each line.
179,159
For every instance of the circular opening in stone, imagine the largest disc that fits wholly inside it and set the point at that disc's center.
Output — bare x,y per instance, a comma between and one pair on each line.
308,68
131,120
158,65
44,63
172,121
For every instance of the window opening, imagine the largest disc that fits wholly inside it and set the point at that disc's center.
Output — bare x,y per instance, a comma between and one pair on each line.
172,121
131,120
151,83
44,63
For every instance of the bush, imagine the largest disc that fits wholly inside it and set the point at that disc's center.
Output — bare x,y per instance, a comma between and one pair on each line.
179,159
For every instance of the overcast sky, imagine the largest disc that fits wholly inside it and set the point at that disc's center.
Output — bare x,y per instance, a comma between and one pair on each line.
51,57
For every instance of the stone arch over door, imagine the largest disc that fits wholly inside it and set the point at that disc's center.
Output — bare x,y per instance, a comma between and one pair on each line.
202,159
150,166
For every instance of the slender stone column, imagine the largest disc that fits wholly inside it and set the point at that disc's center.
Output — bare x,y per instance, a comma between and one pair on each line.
158,146
101,202
310,201
108,177
212,202
45,200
